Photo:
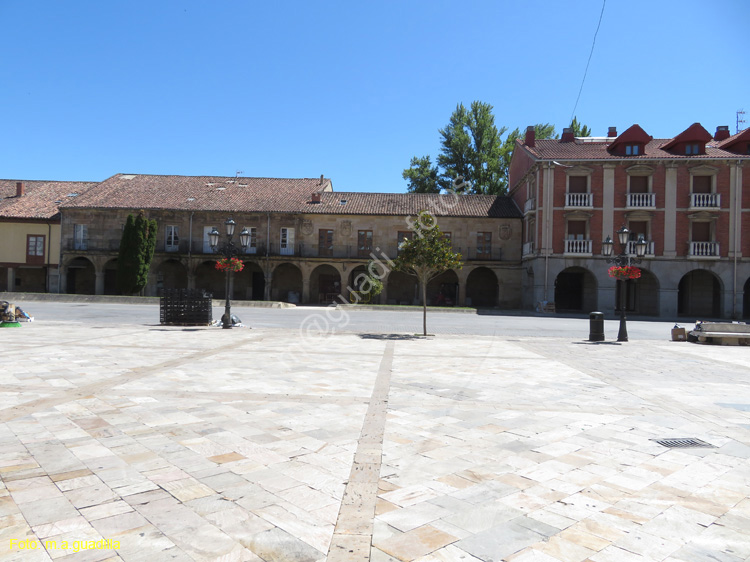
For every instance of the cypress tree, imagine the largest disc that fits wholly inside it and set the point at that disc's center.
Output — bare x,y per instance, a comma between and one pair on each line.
136,251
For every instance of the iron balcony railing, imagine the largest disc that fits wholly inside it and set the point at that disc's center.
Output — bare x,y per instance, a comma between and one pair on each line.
631,248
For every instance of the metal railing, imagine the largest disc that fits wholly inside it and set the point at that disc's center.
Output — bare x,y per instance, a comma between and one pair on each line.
579,199
641,200
630,250
578,246
705,200
704,249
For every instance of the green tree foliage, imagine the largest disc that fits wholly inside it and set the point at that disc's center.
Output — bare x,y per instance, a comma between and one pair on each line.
426,254
422,176
136,251
579,130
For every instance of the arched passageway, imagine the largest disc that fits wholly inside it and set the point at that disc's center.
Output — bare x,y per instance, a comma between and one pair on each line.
443,289
110,278
210,279
699,295
481,288
171,274
575,290
325,284
81,277
250,283
642,294
402,288
287,283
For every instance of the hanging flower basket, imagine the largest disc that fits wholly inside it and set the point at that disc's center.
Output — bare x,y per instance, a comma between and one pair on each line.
625,272
229,264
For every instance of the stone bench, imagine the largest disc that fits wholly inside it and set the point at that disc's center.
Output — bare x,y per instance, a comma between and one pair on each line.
720,333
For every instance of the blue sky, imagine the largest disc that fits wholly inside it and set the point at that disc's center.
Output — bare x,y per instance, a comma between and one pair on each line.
351,90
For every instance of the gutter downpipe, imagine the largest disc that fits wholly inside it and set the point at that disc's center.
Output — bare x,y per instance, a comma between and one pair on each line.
267,289
190,237
737,218
49,248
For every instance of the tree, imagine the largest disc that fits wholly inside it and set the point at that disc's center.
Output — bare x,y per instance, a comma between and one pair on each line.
422,176
136,251
579,130
426,254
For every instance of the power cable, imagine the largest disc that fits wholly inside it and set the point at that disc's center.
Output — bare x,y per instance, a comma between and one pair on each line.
604,3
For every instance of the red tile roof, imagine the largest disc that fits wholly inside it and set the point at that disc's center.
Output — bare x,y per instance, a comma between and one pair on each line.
229,194
401,204
730,141
41,199
694,133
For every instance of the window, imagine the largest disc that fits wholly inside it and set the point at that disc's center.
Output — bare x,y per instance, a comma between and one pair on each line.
638,184
35,249
80,237
287,242
252,246
578,184
637,229
325,242
701,232
403,235
632,150
172,239
484,245
576,230
364,243
692,149
702,184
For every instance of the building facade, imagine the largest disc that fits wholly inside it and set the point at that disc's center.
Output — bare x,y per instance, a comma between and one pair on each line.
688,196
30,232
308,243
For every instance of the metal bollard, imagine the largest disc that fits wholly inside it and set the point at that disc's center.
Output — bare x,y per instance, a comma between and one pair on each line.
596,326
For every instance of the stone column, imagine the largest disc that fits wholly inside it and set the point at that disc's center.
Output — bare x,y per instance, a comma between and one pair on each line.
11,279
670,212
268,278
305,299
191,280
99,286
668,303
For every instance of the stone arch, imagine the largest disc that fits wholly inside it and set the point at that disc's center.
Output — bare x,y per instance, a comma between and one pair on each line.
110,277
171,274
325,284
746,299
210,279
353,283
250,283
645,297
481,287
80,276
443,289
287,283
575,290
402,288
699,295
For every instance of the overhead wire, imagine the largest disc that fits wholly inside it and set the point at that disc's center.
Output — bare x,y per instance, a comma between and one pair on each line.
585,72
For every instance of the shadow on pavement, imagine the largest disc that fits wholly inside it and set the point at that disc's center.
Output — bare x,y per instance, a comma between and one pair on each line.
389,337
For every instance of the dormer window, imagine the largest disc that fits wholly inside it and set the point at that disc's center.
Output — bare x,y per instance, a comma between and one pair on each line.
632,150
693,148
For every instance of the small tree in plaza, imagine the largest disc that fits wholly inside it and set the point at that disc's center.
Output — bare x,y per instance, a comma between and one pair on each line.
136,251
426,254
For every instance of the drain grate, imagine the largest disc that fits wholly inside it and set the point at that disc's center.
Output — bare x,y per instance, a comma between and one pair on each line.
682,442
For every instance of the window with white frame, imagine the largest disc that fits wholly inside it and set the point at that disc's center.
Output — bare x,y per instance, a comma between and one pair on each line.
287,242
80,237
252,246
171,238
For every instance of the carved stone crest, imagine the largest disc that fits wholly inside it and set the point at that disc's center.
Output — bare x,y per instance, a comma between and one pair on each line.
346,228
307,227
506,231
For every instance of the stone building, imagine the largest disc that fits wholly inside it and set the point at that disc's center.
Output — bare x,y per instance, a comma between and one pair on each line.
688,196
308,243
30,232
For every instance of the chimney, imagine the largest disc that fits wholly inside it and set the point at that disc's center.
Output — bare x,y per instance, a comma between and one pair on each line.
321,179
315,197
567,135
530,139
20,191
612,132
722,132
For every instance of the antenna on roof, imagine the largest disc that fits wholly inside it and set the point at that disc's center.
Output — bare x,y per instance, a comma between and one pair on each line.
238,173
740,120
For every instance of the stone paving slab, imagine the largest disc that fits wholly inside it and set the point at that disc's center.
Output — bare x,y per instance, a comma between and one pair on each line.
155,443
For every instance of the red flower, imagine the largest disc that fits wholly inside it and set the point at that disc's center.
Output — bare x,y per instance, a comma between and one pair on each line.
624,272
229,264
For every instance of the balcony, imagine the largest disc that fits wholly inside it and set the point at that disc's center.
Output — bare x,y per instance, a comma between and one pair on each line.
530,205
704,250
705,201
578,247
641,201
631,248
579,200
528,249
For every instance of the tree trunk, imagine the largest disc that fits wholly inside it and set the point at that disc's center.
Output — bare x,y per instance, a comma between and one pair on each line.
424,306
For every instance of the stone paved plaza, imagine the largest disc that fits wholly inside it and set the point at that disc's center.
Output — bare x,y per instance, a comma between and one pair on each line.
171,443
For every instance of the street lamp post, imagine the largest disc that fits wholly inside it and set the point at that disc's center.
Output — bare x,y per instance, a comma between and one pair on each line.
228,250
622,260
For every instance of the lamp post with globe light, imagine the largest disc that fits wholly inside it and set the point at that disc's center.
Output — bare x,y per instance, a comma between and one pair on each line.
624,260
228,250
